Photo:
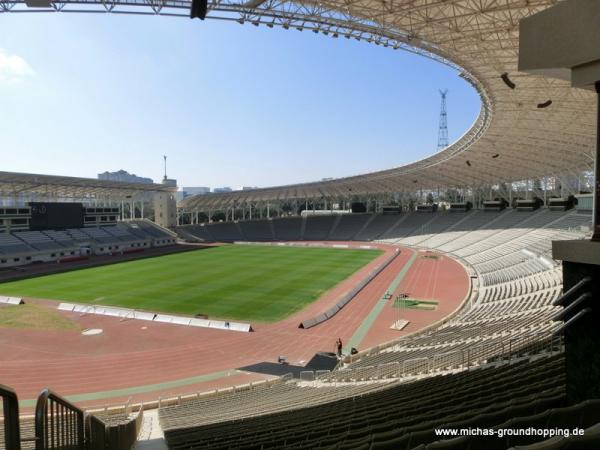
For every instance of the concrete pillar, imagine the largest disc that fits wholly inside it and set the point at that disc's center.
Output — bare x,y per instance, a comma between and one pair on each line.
165,209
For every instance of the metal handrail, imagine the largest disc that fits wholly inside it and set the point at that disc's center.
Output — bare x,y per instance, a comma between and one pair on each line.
571,321
58,423
514,346
96,432
103,436
579,300
572,291
10,409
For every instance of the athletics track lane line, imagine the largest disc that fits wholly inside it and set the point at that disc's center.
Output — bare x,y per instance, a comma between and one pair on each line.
366,324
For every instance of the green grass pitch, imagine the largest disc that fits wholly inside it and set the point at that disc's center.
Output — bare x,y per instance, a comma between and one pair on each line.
252,283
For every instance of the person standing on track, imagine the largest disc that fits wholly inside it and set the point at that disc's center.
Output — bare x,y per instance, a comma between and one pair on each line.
338,347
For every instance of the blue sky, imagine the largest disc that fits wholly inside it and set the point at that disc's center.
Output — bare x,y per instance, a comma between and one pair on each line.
230,105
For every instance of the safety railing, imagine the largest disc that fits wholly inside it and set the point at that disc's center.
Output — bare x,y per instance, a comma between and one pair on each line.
505,350
122,436
10,412
96,430
58,423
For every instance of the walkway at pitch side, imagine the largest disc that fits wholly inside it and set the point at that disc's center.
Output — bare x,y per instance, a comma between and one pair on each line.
143,361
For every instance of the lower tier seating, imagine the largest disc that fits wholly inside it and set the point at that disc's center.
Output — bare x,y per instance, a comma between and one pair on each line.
26,247
393,416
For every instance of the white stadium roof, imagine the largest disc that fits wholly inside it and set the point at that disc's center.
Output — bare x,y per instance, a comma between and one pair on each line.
512,139
58,187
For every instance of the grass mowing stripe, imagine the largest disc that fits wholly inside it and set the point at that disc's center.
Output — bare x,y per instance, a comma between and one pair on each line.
239,282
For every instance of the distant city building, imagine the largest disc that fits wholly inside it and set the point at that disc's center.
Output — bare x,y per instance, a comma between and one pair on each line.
199,190
249,188
124,176
222,189
169,182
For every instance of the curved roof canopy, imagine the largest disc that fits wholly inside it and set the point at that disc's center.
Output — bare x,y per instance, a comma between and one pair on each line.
13,184
514,138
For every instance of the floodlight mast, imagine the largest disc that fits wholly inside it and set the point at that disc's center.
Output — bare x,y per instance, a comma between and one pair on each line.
443,130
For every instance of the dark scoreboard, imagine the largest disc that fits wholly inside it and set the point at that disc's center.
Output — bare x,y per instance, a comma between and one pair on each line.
55,216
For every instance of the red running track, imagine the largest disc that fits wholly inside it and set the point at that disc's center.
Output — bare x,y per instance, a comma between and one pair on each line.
132,353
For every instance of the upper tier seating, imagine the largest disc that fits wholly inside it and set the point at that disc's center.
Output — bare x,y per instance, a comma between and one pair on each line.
25,247
514,299
38,240
460,233
79,236
150,232
99,235
444,221
11,245
319,227
257,230
471,221
409,223
378,225
517,278
62,237
288,228
121,233
147,228
348,226
226,232
510,313
195,233
475,231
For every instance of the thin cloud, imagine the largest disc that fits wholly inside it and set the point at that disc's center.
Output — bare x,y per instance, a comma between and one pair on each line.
13,67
